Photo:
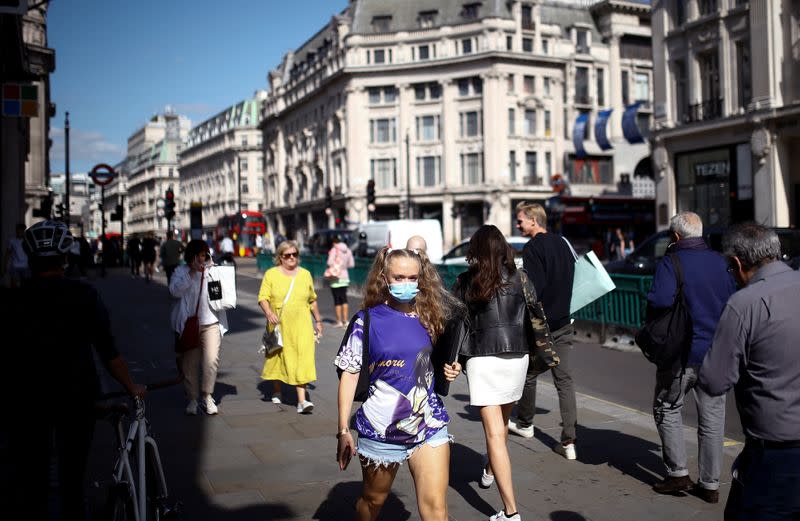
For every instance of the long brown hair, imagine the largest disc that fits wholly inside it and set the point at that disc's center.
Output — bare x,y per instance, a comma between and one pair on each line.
489,256
428,303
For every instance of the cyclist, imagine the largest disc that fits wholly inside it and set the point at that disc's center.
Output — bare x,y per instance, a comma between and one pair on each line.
62,324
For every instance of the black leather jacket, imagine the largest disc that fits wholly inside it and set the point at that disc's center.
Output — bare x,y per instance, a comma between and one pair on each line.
500,325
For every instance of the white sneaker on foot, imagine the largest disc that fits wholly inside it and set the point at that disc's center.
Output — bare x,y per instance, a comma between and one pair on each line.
568,450
501,516
305,407
209,405
276,399
525,432
486,479
191,409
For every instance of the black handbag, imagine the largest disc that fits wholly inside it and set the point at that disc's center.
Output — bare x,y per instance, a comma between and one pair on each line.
455,338
666,335
362,387
542,355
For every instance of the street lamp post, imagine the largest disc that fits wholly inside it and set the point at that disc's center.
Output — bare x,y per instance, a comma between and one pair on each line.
409,211
239,183
66,169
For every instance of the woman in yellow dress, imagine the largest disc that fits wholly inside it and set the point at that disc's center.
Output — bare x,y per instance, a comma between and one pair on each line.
294,364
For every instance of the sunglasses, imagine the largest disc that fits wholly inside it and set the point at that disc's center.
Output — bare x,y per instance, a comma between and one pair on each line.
290,255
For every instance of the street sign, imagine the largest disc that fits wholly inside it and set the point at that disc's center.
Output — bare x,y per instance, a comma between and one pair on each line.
102,174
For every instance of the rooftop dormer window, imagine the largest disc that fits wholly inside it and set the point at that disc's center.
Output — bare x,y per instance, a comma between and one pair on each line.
471,11
381,24
427,19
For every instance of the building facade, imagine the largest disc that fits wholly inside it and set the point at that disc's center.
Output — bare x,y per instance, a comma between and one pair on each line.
727,120
81,190
221,165
457,110
149,169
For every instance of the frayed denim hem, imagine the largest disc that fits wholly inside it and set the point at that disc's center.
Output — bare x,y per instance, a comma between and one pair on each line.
381,463
399,453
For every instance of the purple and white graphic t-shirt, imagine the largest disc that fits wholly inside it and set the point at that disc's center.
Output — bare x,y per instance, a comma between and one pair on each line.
402,406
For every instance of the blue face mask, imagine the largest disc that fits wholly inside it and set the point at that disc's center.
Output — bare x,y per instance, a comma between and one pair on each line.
403,291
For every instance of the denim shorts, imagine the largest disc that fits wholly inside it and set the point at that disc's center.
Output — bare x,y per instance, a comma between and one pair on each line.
380,453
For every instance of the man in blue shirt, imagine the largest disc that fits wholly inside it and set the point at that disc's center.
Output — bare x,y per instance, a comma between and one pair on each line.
706,288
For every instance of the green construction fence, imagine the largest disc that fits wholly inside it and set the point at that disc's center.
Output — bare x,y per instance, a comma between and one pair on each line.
623,307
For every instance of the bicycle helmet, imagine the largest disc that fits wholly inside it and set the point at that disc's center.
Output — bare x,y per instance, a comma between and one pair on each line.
47,239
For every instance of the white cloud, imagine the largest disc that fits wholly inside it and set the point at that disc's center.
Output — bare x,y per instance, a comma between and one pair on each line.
84,148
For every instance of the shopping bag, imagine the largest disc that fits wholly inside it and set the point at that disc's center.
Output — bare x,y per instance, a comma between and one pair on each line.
221,287
590,283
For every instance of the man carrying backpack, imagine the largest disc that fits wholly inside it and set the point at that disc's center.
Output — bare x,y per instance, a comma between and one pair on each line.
706,288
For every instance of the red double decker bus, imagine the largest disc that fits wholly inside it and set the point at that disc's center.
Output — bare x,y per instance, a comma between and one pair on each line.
243,228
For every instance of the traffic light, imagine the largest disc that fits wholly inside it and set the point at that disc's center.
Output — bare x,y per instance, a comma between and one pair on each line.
45,209
328,198
116,215
59,212
454,212
169,204
371,195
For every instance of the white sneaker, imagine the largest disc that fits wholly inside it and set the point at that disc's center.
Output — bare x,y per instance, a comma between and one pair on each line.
501,516
276,399
486,478
525,432
305,407
210,406
568,450
191,409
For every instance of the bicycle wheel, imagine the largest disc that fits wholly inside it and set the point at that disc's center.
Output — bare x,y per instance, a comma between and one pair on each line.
155,490
119,504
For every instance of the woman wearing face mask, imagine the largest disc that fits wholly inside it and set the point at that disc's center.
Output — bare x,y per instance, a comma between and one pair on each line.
403,419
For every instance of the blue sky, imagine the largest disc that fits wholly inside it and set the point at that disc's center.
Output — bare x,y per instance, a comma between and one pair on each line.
118,63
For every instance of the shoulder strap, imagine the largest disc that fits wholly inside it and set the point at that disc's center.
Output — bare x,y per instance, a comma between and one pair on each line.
197,307
574,254
676,263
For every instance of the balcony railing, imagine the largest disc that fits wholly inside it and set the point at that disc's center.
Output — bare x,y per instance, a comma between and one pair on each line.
583,99
705,110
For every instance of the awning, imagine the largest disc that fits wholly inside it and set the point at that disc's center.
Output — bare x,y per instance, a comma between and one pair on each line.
578,132
629,127
600,129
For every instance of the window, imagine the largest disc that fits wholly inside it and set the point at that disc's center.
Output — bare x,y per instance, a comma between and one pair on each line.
382,95
382,130
512,166
427,19
244,141
586,130
635,48
245,186
389,94
527,17
547,129
681,94
471,168
512,120
548,164
509,43
706,7
530,169
260,168
744,73
466,46
527,45
374,95
381,24
678,13
546,85
510,84
470,124
427,128
379,55
243,165
427,91
424,52
527,84
545,46
641,86
582,85
590,170
530,122
470,86
384,172
471,11
428,170
566,125
582,41
643,122
626,95
601,87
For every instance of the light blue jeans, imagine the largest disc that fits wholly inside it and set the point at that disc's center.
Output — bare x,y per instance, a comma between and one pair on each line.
670,392
379,453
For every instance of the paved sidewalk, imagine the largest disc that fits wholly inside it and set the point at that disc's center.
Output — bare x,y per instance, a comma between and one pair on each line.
258,461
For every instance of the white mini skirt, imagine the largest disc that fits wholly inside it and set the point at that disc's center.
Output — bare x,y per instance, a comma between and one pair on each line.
496,379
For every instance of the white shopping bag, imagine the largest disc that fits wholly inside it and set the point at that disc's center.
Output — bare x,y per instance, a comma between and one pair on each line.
591,280
221,287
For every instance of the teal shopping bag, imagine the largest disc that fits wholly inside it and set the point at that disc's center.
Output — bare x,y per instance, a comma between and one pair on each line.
591,280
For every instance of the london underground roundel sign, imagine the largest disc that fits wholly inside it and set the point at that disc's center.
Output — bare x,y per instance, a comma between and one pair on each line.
102,174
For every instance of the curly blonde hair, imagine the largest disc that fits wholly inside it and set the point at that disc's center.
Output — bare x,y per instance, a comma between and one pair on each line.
428,303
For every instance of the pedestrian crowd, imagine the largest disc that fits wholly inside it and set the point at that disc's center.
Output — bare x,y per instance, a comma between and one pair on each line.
411,337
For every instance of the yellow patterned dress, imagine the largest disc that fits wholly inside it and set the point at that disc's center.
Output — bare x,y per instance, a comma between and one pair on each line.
294,364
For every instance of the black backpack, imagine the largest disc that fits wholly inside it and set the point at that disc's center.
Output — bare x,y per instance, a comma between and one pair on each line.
362,388
666,336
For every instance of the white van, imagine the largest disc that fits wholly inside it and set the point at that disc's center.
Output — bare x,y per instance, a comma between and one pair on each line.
396,233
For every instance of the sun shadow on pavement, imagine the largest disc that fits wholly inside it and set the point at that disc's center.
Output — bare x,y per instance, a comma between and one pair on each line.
341,501
566,515
465,465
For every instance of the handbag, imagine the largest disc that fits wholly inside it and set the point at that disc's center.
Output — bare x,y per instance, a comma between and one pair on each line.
667,332
457,334
190,335
221,287
542,355
332,273
272,341
591,280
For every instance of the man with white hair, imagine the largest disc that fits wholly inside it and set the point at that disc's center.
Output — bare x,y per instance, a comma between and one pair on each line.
706,288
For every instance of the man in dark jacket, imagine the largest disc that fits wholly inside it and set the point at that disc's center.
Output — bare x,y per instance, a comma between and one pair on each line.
550,265
707,286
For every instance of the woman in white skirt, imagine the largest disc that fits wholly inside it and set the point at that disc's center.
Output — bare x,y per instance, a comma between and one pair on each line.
497,360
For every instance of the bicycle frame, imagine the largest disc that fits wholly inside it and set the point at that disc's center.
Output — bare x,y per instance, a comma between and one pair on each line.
138,434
